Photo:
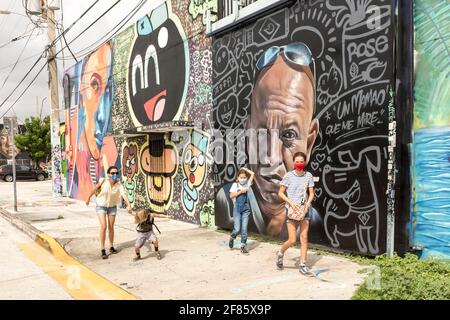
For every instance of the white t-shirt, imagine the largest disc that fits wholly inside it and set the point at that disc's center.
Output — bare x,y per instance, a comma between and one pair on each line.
109,195
236,187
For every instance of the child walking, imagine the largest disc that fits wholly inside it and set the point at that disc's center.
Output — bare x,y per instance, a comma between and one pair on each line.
241,210
145,222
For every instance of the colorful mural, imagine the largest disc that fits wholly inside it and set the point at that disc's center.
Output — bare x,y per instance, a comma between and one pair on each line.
431,165
88,92
158,68
156,71
130,169
313,77
195,167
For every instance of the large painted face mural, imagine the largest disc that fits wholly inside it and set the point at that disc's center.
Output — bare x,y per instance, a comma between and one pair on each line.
6,149
88,91
158,68
314,77
283,102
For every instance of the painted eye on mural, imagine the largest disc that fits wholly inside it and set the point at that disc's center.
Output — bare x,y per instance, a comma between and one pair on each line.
187,156
201,160
96,82
288,136
193,164
128,163
133,161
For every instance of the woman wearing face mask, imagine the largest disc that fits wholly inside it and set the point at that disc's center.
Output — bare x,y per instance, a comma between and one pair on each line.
293,190
241,210
108,190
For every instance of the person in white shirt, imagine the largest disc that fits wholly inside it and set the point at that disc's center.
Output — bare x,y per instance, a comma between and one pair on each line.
241,210
108,191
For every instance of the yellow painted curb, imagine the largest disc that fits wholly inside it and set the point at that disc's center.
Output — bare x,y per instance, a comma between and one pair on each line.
79,281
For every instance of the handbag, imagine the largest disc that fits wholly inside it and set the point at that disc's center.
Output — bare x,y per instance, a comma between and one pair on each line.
298,215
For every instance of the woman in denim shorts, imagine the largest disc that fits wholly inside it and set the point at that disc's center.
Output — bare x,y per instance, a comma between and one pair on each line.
109,191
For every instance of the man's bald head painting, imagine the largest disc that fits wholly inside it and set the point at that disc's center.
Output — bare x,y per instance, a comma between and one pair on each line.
282,107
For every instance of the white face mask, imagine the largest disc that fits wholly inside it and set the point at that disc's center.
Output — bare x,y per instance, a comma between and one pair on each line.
243,181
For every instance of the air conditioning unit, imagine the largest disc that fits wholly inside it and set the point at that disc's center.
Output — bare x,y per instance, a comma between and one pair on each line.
34,7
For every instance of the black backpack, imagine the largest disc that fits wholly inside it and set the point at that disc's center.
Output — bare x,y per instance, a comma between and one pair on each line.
147,226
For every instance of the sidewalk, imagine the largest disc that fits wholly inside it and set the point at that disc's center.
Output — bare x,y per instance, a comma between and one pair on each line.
196,263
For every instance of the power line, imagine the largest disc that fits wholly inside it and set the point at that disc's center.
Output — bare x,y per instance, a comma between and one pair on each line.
18,58
23,92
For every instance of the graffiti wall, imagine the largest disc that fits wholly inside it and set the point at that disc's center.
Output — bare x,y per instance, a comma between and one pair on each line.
314,77
88,93
157,71
431,166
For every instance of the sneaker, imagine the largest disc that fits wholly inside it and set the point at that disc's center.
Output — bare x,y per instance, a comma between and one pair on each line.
305,270
231,243
104,255
112,250
244,250
279,261
158,255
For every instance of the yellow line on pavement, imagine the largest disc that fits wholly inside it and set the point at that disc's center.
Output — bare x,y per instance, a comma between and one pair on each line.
79,281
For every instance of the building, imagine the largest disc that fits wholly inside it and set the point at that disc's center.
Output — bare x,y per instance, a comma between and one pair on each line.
181,101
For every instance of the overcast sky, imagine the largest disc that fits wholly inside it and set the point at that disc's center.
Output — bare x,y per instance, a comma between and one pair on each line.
14,25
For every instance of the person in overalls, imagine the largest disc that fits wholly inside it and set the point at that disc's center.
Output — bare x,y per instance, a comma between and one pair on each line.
241,210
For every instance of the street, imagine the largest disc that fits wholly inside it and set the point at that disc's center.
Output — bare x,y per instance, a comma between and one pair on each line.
196,262
20,278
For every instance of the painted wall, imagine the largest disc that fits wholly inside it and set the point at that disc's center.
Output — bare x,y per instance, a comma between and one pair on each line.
431,166
269,105
156,71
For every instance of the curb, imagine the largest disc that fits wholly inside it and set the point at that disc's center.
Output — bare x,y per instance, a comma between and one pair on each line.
101,287
20,224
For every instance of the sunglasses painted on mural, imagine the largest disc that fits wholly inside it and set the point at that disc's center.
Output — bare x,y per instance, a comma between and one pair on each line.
296,52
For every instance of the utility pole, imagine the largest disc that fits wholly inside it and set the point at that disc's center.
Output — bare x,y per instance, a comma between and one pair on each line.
11,123
49,13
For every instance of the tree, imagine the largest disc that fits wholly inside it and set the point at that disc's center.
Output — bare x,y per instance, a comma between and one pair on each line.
36,139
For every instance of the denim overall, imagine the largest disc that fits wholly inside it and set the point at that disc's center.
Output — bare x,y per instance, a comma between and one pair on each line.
241,213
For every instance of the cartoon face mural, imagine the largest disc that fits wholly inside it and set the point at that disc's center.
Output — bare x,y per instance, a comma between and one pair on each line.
130,166
158,68
332,108
194,170
90,151
158,161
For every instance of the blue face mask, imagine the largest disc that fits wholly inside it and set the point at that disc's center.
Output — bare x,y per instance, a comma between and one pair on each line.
115,177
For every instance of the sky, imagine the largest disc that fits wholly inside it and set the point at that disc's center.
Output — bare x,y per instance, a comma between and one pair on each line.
17,24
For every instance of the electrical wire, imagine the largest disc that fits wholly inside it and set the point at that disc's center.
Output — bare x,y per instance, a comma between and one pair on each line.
53,43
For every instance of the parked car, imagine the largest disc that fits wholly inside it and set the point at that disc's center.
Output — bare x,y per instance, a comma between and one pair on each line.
22,172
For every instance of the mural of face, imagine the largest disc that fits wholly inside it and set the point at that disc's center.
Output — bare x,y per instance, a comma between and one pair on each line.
158,162
283,100
130,161
6,145
157,73
96,97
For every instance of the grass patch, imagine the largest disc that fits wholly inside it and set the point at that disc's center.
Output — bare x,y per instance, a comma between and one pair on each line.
407,278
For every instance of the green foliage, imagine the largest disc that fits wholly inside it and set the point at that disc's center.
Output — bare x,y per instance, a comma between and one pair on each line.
407,278
36,139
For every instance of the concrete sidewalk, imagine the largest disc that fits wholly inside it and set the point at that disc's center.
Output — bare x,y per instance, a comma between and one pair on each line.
196,263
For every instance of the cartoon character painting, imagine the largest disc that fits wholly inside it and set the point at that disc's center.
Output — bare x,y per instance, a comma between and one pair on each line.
130,169
194,170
